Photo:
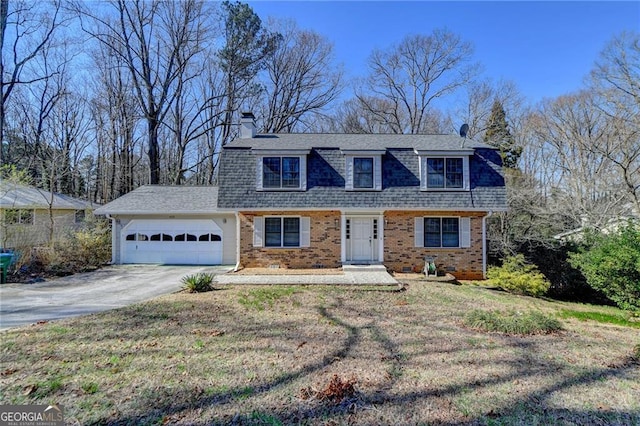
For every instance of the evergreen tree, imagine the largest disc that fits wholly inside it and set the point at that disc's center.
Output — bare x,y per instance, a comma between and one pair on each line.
498,135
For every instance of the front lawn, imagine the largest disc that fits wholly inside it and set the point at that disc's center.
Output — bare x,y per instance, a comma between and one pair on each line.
326,355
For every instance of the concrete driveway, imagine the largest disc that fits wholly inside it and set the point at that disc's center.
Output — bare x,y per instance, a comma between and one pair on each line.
86,293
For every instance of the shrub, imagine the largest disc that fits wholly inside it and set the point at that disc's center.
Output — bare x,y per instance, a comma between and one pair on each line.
197,283
512,322
79,251
611,264
519,277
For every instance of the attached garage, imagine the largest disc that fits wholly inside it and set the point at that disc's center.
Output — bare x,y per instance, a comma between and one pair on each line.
172,225
172,241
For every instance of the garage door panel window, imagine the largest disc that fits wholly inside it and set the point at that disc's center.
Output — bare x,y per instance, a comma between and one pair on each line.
209,237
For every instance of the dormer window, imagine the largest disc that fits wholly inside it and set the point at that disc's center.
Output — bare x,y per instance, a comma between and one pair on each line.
363,173
281,170
363,170
440,171
445,173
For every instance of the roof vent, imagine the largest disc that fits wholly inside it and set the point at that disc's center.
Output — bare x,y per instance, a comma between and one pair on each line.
247,125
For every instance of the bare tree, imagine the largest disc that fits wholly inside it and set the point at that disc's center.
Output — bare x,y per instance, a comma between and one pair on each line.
26,29
301,79
156,40
409,77
615,79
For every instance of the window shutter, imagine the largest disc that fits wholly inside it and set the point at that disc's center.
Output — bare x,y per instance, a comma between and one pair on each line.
418,229
303,173
305,232
422,165
465,174
259,173
465,232
377,173
258,231
348,178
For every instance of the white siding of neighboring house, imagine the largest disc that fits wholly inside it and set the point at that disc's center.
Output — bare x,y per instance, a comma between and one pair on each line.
25,235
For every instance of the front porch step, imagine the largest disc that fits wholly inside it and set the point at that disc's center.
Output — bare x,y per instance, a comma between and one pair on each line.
364,268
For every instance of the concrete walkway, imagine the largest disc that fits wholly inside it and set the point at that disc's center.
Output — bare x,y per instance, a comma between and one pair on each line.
353,274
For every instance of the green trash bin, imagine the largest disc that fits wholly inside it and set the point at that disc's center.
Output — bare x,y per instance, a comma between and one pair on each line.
5,261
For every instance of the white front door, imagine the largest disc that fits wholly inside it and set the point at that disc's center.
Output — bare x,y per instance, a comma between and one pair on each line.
362,239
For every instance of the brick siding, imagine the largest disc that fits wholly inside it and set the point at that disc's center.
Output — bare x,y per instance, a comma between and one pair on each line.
324,250
400,253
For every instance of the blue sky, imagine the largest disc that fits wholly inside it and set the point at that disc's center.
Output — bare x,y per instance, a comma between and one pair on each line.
546,48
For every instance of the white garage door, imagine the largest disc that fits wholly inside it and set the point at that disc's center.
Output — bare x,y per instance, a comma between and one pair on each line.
172,242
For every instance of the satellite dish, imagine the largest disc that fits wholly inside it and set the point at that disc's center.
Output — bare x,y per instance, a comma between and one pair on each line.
464,129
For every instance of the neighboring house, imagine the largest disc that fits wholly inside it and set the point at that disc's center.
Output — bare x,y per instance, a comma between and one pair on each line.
324,200
30,216
611,226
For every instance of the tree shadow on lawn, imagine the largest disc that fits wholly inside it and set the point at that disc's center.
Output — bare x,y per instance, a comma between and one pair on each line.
532,407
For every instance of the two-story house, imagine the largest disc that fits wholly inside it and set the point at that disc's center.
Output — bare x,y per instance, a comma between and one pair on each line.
325,200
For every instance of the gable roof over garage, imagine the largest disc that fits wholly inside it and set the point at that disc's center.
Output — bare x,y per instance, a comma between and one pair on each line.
158,200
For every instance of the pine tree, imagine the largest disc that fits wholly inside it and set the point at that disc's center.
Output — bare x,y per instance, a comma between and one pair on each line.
498,135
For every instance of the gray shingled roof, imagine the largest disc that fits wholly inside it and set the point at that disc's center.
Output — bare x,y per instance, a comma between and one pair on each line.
356,141
156,199
16,196
326,174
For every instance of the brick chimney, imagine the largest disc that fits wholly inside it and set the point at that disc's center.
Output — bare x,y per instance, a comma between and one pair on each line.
247,125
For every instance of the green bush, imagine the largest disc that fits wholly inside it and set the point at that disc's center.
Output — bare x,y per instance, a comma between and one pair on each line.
82,250
611,264
518,277
197,283
512,322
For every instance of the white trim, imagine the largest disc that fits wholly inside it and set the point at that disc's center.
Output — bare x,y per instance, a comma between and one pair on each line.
377,170
258,231
466,180
348,173
363,152
443,153
302,170
305,231
484,243
362,210
282,217
381,225
237,215
280,152
464,232
459,246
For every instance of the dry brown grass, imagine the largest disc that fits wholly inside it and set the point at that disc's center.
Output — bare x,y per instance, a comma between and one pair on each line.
252,355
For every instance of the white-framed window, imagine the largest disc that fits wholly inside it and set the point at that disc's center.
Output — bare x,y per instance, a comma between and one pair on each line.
18,217
442,232
450,173
363,173
281,231
281,172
